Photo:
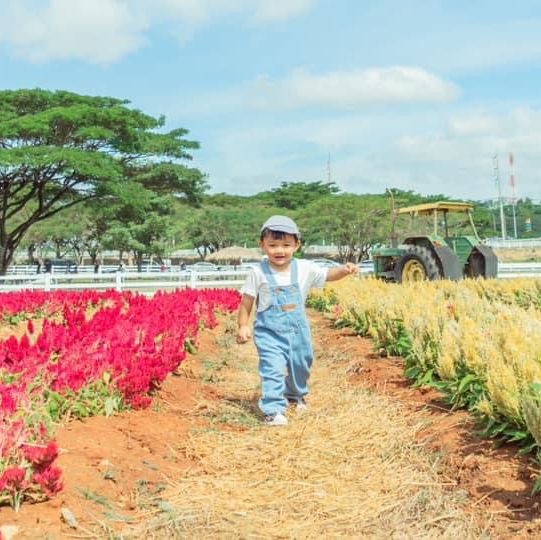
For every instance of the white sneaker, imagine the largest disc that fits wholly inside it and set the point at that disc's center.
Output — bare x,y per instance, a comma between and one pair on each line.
300,405
277,419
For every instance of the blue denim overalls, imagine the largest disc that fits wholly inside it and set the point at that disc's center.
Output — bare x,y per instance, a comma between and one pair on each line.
284,343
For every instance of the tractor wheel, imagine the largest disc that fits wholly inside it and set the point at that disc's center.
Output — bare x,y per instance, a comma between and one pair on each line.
476,265
418,264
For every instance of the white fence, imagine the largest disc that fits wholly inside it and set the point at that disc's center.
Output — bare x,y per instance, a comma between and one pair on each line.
143,281
152,281
529,243
25,269
514,270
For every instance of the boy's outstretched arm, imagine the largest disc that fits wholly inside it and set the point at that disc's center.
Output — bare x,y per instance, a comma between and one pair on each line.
244,332
339,272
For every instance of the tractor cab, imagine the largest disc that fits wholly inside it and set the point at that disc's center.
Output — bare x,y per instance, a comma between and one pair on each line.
437,255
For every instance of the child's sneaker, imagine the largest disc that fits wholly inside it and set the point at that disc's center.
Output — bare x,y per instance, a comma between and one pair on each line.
277,419
300,405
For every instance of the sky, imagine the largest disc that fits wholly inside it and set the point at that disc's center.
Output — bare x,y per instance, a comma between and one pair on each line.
422,95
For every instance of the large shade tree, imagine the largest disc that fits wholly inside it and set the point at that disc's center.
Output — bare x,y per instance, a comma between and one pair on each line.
59,149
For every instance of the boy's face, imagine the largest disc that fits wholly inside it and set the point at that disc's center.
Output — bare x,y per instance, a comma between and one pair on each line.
279,250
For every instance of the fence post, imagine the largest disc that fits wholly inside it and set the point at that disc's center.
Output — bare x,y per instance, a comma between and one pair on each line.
47,283
193,279
118,281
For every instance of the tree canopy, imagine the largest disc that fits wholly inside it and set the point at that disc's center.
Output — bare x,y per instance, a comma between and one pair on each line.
352,222
59,149
295,195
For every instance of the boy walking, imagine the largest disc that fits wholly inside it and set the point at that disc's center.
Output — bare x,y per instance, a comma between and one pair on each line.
279,286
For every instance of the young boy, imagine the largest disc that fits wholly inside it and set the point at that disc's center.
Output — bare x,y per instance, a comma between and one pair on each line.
280,286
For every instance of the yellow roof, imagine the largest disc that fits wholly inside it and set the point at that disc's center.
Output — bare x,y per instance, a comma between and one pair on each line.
429,208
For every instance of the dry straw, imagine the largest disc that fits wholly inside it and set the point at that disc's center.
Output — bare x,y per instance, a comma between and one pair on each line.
349,468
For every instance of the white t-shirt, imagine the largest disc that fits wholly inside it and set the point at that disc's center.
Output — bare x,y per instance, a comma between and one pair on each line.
309,275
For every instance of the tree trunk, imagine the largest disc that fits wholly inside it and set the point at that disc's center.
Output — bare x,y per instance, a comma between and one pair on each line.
93,253
139,260
6,256
30,252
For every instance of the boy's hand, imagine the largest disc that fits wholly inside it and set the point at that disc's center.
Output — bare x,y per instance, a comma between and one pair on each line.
350,268
339,272
244,333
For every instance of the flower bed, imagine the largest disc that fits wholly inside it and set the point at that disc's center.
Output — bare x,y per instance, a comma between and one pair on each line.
478,341
83,354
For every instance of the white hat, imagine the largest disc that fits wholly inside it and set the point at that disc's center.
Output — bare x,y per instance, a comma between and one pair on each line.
282,224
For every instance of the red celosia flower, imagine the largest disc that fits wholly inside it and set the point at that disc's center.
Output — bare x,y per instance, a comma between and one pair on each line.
13,480
40,456
135,340
50,480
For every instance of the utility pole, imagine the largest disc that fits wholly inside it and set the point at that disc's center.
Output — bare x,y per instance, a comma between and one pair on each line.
512,183
496,167
329,177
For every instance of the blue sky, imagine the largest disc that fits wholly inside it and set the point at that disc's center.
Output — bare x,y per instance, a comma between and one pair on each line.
410,94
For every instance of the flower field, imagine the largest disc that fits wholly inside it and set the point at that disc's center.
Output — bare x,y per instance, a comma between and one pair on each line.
478,341
71,355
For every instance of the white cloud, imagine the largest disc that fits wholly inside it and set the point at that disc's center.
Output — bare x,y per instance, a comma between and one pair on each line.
352,89
418,153
201,11
100,31
104,31
338,90
477,124
458,162
279,10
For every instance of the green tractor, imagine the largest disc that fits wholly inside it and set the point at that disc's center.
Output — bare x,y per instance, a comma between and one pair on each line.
428,257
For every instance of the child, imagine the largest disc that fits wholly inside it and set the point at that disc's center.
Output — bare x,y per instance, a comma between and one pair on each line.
280,286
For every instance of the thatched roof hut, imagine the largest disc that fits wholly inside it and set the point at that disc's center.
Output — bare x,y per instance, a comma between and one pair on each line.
235,254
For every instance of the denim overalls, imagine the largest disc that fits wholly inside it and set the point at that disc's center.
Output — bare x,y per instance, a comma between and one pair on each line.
284,343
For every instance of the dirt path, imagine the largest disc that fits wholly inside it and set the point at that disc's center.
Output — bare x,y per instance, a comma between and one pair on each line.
199,464
351,467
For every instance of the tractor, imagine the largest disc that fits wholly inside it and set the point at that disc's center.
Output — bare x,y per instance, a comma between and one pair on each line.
428,257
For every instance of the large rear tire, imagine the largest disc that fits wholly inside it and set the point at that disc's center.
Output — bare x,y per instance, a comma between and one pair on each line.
418,264
476,266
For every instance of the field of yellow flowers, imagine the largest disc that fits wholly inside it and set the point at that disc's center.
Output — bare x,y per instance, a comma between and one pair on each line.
478,341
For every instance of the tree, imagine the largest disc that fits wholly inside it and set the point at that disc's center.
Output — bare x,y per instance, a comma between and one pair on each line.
140,220
294,195
59,149
353,222
214,227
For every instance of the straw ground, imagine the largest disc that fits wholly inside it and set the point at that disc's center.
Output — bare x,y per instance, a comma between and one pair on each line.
348,468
